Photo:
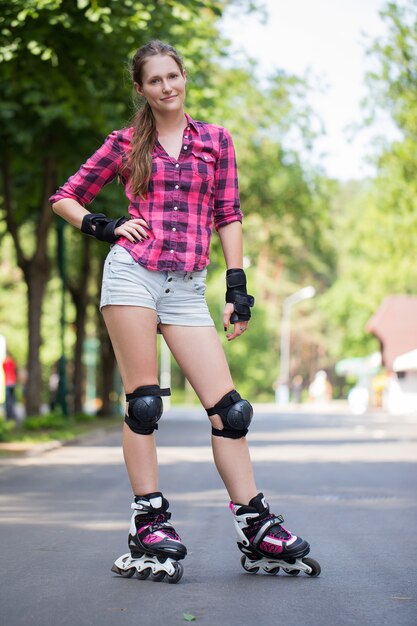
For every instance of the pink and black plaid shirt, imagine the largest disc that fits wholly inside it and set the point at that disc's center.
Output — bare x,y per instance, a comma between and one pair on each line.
185,196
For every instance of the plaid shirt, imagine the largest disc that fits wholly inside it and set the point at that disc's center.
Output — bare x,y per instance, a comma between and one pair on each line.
185,195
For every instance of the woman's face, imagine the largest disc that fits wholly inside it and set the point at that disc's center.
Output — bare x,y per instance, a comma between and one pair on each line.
163,85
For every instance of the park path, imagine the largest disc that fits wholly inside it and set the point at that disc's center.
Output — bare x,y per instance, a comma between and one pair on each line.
348,483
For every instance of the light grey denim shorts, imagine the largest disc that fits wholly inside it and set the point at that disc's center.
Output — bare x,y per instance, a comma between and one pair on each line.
177,297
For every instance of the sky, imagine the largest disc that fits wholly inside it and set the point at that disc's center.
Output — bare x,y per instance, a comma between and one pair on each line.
325,39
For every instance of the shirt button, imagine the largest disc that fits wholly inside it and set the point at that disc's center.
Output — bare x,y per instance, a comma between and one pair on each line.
177,164
185,148
188,128
174,229
175,208
172,251
205,158
185,136
177,186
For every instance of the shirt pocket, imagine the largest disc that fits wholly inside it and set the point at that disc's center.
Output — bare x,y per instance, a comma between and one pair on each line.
203,164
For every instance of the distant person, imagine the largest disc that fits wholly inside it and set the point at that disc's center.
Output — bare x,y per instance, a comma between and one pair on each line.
180,178
296,388
320,390
10,379
53,386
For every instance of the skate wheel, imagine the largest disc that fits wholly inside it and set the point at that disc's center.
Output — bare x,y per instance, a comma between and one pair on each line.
315,567
177,575
143,574
126,573
244,563
272,572
291,572
157,577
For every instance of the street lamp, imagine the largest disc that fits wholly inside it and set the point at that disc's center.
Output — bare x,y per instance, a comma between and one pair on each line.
282,391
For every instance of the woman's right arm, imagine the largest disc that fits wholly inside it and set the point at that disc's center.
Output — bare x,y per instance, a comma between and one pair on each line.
81,189
70,210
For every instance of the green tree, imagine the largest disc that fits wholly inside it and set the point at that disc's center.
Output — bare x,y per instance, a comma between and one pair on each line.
62,67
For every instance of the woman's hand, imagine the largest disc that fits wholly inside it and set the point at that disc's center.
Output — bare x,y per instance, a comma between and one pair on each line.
239,327
134,230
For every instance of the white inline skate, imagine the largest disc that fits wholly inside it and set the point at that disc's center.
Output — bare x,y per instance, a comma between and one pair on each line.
266,544
155,546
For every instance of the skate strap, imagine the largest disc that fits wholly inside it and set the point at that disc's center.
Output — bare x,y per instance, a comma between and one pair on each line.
275,520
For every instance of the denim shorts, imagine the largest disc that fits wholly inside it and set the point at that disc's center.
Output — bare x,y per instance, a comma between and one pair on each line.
177,297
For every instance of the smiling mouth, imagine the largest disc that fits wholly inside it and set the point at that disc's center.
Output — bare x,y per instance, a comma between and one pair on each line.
169,97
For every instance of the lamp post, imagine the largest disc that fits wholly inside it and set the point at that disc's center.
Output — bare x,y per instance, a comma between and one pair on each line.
282,391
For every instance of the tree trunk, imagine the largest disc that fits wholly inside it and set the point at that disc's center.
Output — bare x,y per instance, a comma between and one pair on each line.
37,280
36,271
107,363
79,294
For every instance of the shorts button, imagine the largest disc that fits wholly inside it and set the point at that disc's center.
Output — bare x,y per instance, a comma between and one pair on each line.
169,279
167,290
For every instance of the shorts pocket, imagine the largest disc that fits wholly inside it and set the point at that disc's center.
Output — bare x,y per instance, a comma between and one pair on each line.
196,282
118,260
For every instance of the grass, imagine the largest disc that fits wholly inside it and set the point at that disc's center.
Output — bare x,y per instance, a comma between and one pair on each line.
52,426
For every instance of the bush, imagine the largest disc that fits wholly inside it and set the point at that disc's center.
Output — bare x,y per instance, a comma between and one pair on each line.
47,422
5,428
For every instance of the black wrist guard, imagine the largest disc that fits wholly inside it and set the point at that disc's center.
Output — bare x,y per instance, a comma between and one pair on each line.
236,294
104,227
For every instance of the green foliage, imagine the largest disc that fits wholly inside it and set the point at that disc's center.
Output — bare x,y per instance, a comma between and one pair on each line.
65,85
6,429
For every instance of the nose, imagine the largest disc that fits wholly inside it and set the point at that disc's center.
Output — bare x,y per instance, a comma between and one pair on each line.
166,87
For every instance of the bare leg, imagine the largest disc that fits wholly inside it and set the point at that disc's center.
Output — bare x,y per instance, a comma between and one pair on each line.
132,332
200,355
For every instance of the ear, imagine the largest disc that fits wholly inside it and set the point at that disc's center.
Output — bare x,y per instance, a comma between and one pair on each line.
184,73
138,89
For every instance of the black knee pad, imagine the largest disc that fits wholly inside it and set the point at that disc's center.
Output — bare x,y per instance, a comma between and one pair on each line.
145,408
236,415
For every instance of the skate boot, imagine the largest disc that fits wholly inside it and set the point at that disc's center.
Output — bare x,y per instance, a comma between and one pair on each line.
266,544
155,547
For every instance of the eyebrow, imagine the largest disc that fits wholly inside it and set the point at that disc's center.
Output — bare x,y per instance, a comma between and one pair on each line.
159,76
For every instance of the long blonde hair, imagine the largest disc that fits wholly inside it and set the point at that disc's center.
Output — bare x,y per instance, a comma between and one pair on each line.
144,135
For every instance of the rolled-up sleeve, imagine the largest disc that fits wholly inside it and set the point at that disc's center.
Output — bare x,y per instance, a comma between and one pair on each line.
226,200
99,170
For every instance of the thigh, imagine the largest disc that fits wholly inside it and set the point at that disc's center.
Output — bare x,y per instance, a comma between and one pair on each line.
200,355
132,330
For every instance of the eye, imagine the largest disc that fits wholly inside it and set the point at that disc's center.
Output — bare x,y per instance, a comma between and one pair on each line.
154,81
173,75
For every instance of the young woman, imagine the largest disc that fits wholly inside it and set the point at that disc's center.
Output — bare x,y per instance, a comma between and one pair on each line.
179,176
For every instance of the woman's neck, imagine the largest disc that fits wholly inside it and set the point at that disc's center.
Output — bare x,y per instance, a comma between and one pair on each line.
166,124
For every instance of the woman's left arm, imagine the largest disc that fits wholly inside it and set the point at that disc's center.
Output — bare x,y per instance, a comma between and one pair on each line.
231,241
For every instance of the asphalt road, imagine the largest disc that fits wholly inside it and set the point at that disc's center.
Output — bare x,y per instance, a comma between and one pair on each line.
348,484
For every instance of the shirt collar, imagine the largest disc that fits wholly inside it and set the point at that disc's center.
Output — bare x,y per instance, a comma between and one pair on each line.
192,123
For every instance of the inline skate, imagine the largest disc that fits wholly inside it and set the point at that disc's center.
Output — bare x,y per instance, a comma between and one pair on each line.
155,546
266,544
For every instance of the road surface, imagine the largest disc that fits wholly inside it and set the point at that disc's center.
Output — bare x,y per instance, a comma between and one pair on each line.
346,483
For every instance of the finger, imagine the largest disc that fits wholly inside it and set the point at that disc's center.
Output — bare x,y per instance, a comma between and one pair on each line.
139,221
132,237
135,234
136,229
